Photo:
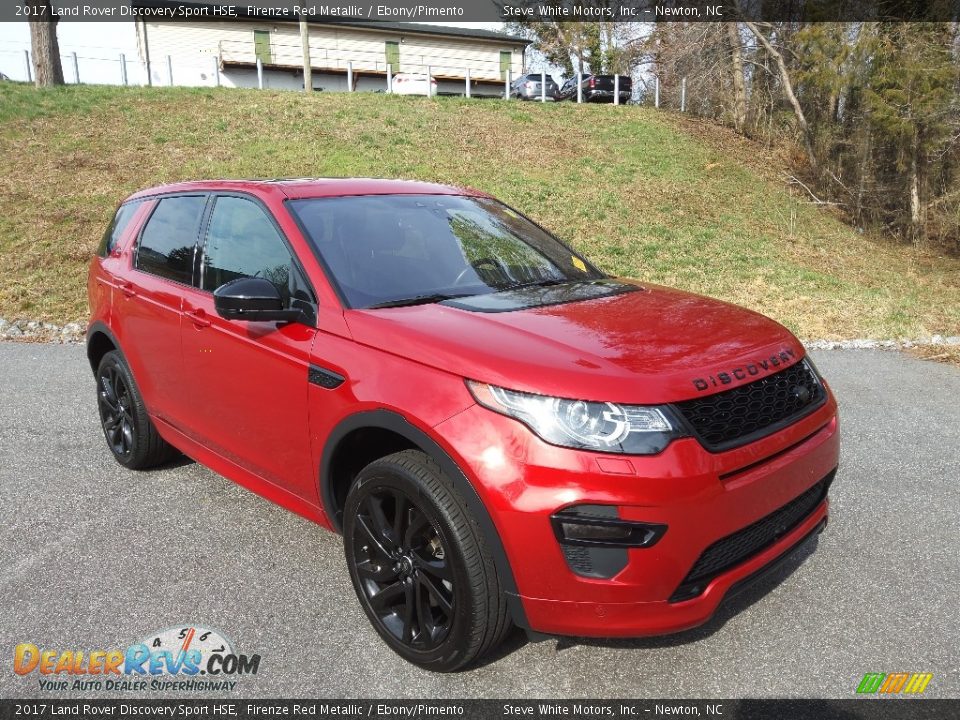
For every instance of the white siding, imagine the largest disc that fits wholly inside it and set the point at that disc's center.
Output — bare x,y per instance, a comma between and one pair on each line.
448,57
193,48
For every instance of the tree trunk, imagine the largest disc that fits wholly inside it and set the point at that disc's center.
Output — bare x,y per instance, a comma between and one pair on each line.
736,68
760,100
788,91
917,214
43,39
866,160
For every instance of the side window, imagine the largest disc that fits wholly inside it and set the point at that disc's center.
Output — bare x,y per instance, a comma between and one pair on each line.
116,227
168,240
243,242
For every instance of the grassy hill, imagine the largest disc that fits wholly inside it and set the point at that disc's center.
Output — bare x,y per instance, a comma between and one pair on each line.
644,193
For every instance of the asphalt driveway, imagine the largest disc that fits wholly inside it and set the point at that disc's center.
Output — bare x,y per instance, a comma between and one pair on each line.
93,556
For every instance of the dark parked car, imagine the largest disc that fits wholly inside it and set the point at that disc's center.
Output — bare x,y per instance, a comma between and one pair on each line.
598,88
530,87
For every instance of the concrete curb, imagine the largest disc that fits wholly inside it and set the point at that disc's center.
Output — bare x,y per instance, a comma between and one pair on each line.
38,331
869,344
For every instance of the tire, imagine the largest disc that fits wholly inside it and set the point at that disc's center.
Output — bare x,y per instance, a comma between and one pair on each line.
130,434
423,575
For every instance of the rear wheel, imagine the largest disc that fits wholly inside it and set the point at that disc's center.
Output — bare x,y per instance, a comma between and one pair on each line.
131,435
419,565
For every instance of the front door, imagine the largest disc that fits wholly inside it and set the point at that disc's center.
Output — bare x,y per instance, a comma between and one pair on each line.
248,380
393,56
506,63
261,46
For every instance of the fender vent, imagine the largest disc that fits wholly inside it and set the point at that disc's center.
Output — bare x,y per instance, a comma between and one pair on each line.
324,378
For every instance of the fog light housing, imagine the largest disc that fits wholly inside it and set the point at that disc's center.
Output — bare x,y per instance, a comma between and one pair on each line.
585,530
597,526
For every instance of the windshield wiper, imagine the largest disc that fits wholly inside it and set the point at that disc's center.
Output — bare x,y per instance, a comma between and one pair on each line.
417,300
535,283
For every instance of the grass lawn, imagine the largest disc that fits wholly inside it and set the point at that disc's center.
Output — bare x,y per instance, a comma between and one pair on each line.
642,192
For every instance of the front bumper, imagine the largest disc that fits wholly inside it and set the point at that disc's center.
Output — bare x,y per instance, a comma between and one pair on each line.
701,497
535,95
605,96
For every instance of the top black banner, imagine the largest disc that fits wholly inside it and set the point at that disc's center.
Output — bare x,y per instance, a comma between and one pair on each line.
431,11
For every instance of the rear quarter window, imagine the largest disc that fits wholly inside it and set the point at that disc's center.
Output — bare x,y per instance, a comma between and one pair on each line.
119,223
167,242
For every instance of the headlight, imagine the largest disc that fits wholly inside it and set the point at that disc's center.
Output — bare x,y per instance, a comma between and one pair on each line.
599,426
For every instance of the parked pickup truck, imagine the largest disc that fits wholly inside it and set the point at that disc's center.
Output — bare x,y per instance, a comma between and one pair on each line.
598,88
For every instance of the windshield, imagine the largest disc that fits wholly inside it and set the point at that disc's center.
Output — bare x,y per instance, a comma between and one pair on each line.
387,250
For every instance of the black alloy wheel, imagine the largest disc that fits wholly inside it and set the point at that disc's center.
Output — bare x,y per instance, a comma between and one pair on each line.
116,411
403,569
130,433
419,564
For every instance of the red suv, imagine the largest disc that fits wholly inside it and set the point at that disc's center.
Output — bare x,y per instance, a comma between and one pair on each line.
502,433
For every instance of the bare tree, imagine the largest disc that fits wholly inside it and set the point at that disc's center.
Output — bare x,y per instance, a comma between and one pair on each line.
739,104
787,86
43,40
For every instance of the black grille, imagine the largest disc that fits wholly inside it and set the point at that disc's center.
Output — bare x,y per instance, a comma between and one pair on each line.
744,544
736,417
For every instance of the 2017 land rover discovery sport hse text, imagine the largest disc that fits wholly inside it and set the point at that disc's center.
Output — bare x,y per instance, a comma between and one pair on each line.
502,433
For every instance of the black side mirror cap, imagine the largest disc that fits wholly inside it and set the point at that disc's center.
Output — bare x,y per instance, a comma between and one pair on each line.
252,300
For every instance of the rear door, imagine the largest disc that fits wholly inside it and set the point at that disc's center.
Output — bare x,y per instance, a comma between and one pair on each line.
248,380
148,302
112,262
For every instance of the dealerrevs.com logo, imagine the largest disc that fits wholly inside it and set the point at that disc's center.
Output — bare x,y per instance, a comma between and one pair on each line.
188,658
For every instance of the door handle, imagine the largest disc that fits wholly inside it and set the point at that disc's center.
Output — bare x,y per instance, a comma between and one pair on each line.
198,318
127,289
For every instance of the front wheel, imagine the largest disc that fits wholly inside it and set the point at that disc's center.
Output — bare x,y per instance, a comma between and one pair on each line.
419,565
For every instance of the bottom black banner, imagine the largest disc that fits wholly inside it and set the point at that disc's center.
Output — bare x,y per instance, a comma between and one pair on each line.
868,709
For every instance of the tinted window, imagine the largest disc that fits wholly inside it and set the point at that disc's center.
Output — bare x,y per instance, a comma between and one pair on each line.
242,241
117,226
167,242
392,247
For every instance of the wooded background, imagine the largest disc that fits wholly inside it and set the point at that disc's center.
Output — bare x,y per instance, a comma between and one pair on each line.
871,108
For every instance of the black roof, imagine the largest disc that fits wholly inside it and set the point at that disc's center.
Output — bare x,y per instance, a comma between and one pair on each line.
431,30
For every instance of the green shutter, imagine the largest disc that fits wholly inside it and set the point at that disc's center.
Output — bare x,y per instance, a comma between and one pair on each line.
506,62
393,55
261,45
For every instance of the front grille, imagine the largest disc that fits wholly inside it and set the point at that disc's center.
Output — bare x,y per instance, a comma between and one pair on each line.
751,540
738,416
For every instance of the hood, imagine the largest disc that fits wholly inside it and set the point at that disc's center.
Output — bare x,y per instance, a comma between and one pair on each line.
651,345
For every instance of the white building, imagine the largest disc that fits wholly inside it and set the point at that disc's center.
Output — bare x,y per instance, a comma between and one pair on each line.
210,52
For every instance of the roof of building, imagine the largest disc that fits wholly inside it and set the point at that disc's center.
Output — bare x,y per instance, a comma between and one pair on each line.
434,30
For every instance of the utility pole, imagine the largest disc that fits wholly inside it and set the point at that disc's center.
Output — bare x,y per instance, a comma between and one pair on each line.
305,41
146,54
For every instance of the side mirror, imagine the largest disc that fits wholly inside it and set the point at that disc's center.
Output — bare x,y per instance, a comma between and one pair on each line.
253,300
